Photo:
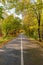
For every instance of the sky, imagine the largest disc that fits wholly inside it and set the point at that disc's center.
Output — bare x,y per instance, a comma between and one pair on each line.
1,4
12,11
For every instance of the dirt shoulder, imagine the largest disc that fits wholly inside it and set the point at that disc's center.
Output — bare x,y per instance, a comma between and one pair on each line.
36,42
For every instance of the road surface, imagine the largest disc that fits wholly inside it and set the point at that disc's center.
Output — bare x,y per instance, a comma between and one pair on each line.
21,51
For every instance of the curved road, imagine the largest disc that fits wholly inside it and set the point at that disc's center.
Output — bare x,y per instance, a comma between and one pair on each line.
21,51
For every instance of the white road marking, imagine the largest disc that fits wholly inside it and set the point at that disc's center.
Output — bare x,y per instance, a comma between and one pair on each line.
2,50
22,61
22,38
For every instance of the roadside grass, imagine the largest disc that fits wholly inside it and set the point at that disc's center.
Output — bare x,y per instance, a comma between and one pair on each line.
4,40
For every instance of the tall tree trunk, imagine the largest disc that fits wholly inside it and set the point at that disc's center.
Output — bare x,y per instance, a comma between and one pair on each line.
42,32
39,29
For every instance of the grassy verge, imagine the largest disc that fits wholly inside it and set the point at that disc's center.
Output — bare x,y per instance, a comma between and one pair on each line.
4,40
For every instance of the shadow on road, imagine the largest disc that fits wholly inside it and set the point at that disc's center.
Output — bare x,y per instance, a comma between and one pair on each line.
33,56
10,57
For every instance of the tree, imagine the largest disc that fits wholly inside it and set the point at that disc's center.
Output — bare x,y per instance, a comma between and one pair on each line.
10,25
1,12
35,8
30,26
27,6
1,17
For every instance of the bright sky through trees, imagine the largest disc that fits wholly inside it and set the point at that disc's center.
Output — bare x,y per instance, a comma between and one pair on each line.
12,11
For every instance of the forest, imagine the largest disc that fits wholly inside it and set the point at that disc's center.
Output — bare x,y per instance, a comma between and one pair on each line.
31,22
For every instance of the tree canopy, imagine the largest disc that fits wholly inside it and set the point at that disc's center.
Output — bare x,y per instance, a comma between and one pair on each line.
31,10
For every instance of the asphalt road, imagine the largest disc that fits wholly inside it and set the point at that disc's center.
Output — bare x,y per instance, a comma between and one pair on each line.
21,51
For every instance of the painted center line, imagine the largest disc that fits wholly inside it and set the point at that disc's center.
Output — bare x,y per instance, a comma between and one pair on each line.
22,61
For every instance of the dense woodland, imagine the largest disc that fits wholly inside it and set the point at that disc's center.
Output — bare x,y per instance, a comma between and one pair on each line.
31,22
